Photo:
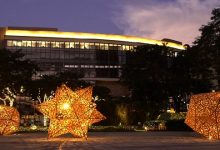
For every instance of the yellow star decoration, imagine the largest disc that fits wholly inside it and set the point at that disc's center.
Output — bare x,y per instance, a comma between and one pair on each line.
9,120
204,113
70,112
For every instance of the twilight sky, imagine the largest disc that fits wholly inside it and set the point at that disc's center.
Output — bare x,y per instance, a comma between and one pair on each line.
156,19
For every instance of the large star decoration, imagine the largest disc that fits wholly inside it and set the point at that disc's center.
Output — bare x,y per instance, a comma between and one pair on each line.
204,114
9,120
70,112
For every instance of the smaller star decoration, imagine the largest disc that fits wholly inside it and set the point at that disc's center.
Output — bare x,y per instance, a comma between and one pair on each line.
9,120
70,112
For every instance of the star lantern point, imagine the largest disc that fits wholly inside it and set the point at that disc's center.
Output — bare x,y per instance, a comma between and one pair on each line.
70,112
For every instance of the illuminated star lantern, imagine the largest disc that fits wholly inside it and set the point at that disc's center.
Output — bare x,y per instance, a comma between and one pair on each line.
70,112
9,120
203,115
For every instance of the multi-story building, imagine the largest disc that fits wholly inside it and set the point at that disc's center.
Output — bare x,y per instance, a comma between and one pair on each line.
99,56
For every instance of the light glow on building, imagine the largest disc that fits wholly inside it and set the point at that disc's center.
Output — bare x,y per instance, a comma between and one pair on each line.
81,35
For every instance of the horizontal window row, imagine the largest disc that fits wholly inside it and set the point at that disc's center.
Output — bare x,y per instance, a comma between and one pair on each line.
90,66
77,45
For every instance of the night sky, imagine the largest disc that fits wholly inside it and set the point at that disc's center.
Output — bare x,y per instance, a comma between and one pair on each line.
157,19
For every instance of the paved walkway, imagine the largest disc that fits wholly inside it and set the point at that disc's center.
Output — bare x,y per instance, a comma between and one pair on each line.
110,140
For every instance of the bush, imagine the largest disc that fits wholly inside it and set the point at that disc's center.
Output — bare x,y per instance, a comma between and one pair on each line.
154,125
172,116
110,129
177,125
91,129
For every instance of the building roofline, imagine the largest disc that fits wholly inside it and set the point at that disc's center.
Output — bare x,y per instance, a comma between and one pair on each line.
81,35
32,28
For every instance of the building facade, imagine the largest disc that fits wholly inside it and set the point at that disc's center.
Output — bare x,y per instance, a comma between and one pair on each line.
99,56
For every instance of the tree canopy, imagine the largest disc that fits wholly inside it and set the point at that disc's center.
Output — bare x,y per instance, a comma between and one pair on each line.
15,71
154,75
48,83
146,73
207,47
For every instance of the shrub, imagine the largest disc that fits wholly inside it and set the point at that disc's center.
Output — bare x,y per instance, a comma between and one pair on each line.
172,116
177,125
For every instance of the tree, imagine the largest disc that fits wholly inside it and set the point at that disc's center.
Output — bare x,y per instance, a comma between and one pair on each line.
15,71
189,74
147,74
155,76
207,47
49,83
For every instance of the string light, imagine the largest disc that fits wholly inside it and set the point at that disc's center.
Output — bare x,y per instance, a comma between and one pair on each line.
70,112
204,113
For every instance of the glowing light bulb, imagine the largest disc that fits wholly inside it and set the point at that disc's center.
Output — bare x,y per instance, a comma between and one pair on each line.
210,137
66,106
33,127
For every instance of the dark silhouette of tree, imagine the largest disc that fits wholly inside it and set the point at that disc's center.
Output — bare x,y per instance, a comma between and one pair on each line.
146,73
15,71
189,74
207,47
153,75
48,83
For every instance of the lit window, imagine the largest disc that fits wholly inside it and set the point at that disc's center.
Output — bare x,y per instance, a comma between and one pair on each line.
67,44
57,45
127,47
91,45
43,44
47,44
82,45
53,44
96,45
14,43
102,46
37,43
115,47
28,43
19,43
72,45
175,54
24,43
120,47
86,45
106,47
76,44
111,47
33,44
9,43
61,44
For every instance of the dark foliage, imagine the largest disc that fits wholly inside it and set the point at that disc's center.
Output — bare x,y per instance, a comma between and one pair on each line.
15,71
